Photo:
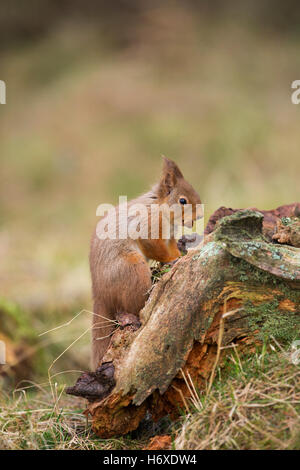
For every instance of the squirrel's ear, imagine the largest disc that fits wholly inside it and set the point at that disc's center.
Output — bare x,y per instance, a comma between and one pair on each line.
170,175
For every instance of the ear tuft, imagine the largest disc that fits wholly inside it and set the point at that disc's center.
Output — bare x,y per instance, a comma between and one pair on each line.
172,167
170,175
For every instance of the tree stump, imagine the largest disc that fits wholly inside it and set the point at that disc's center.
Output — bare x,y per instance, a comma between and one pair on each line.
184,331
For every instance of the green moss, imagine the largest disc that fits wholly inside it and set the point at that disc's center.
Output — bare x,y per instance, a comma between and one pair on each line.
270,320
247,271
267,317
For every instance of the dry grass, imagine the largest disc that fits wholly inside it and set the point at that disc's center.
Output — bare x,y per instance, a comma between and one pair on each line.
255,404
36,422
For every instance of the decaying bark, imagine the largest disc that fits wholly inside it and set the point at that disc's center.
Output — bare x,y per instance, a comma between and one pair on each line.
95,384
238,269
271,217
288,231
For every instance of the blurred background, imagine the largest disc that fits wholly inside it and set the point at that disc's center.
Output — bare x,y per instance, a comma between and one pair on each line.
96,92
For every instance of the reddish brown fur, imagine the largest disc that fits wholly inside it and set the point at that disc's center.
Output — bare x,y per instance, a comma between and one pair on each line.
160,250
120,273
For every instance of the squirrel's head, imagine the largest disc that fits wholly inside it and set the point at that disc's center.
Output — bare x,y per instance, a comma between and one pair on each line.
174,189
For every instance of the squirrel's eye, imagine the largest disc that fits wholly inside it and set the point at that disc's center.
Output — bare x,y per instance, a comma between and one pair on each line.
182,200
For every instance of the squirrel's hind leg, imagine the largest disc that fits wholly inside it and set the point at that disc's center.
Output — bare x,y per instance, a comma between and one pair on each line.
125,292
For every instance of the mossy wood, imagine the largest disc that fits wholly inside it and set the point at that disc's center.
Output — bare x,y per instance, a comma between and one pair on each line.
237,269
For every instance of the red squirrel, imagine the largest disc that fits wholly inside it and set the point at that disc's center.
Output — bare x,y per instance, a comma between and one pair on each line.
121,276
